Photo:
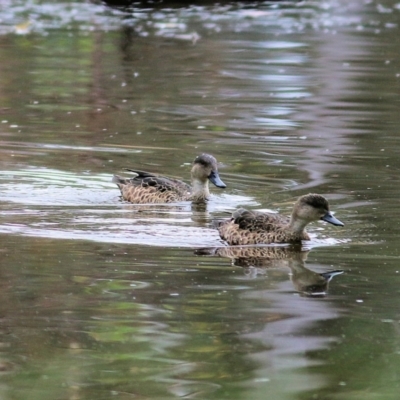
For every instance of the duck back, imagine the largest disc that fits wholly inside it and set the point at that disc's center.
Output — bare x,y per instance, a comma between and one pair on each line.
252,227
148,188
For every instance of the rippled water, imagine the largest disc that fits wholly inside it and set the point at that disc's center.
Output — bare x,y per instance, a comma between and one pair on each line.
101,298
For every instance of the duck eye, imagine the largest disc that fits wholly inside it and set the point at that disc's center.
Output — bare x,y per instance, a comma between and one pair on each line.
202,162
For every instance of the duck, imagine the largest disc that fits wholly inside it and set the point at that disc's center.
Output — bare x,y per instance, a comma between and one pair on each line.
247,227
148,188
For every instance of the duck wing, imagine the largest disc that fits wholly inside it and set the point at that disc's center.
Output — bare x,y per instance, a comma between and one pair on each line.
160,183
258,221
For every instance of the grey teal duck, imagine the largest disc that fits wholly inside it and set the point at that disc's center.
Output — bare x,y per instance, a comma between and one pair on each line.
253,227
147,188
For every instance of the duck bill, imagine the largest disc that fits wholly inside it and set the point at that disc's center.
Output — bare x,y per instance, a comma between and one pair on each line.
216,180
328,217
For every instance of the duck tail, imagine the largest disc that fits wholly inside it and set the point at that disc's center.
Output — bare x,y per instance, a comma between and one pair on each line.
216,223
118,180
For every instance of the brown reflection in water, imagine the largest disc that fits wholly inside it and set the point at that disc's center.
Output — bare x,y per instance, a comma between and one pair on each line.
305,281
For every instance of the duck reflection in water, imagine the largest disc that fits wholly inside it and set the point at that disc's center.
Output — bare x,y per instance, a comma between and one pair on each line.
149,188
256,259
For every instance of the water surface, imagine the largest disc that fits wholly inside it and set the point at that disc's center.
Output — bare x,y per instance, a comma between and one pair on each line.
103,299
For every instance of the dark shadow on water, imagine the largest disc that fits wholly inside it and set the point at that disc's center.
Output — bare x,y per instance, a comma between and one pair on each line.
256,260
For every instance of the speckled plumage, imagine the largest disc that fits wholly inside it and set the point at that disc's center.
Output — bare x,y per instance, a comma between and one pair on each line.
253,227
147,188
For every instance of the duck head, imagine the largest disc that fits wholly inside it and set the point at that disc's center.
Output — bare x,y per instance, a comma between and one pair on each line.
205,168
313,207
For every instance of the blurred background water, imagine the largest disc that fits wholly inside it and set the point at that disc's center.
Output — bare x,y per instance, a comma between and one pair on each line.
100,298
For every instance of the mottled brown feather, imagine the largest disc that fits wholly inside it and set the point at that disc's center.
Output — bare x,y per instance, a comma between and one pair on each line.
152,189
231,232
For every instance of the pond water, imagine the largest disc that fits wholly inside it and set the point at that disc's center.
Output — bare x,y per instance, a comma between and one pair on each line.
104,299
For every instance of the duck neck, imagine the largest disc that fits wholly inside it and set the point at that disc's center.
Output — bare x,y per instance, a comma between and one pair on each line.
200,191
297,225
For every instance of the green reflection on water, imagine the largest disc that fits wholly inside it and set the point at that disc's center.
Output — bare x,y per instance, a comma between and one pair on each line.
290,100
